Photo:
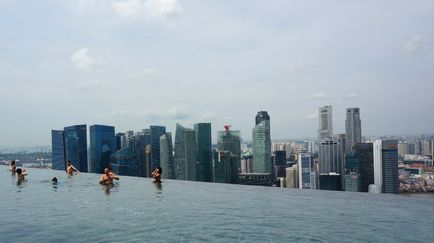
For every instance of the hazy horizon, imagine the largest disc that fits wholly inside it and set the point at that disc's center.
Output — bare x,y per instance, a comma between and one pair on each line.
136,63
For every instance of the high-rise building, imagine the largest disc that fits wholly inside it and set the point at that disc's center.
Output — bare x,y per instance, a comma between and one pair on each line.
102,145
76,146
120,138
365,156
279,163
352,176
156,133
390,166
262,144
325,122
203,151
353,128
331,157
230,140
292,176
246,163
386,166
58,150
166,156
305,170
185,153
122,161
129,137
139,143
225,167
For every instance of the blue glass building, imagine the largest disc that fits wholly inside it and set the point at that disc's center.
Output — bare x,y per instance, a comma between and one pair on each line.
185,153
203,151
58,150
156,133
102,145
76,146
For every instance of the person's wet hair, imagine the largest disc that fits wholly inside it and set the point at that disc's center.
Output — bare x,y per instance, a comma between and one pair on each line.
19,171
54,180
13,162
68,162
160,170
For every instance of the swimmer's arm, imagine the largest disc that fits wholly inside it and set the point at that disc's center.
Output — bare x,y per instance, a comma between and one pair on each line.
75,169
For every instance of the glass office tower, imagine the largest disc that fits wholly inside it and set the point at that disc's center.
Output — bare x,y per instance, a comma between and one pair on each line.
76,146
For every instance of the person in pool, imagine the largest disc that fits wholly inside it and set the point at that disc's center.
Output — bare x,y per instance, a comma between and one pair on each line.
112,174
156,174
21,175
54,180
70,169
107,177
13,167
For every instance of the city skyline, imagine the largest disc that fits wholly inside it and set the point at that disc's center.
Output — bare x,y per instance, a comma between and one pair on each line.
131,64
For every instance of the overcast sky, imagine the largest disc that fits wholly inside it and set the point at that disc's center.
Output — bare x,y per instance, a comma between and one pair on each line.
135,63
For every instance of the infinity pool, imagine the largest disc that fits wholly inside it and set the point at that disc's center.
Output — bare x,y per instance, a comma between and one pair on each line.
78,209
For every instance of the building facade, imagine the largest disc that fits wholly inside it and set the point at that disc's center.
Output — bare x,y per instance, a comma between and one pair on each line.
102,145
185,153
353,127
76,146
203,151
262,144
58,150
166,156
325,122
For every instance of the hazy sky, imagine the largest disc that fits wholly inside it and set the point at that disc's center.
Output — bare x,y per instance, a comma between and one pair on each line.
135,63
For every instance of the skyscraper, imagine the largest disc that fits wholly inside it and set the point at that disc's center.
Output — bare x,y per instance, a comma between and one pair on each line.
203,151
262,144
120,141
76,146
364,153
166,156
353,128
58,150
102,145
331,160
325,122
305,170
156,133
331,155
185,153
261,116
386,166
226,168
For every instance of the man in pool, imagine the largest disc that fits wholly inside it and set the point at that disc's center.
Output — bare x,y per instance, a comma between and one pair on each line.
13,167
21,175
70,169
157,174
107,177
112,174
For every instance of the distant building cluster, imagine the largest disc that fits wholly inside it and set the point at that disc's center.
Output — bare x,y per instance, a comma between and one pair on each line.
344,162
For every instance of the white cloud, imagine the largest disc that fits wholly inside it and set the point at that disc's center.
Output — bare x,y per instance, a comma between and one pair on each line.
168,9
352,96
414,45
164,9
317,96
83,60
90,85
312,116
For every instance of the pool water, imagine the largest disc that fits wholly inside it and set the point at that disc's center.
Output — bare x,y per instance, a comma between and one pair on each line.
78,209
